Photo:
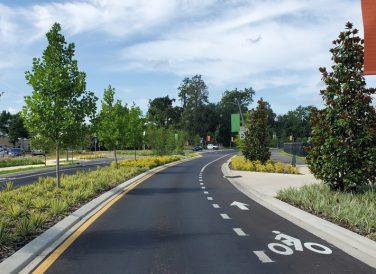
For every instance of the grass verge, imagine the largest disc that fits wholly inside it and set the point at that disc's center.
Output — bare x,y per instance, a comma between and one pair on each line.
241,163
8,162
354,211
27,211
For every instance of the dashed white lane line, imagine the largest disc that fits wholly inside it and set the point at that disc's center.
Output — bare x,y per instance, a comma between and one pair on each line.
210,198
216,206
263,257
239,231
225,216
202,184
203,187
200,180
206,192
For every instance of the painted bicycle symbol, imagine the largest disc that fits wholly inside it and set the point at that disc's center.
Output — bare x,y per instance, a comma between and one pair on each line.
290,244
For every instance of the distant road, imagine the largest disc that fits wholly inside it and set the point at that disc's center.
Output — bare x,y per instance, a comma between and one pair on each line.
29,177
277,155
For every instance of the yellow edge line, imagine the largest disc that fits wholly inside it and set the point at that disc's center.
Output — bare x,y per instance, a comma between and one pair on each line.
62,247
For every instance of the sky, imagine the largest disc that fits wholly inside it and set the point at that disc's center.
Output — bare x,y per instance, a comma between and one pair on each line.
145,48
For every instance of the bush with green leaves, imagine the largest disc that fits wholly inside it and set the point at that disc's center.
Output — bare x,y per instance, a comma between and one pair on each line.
344,132
165,141
255,144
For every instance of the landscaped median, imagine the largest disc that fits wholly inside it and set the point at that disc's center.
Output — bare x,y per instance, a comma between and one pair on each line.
354,211
241,163
22,161
27,211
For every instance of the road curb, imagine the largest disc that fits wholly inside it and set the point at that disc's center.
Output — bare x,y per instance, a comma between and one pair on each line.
353,244
26,258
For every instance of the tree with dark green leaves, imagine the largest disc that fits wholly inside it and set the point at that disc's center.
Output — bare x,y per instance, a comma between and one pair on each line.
162,113
60,103
255,144
4,122
16,129
112,122
193,93
344,132
230,102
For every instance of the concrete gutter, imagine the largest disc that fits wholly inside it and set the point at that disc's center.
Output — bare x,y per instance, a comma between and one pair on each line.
29,256
353,244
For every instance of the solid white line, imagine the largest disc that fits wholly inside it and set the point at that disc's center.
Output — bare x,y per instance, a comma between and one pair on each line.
205,166
203,187
210,198
239,231
263,257
206,193
225,216
216,206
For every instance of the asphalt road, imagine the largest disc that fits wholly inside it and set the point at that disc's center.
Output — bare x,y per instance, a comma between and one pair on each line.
31,176
181,221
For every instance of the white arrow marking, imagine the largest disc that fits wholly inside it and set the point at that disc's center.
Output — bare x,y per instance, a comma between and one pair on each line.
263,257
241,206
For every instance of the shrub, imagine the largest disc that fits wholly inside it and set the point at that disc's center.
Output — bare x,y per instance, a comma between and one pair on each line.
4,235
149,162
24,227
344,132
241,163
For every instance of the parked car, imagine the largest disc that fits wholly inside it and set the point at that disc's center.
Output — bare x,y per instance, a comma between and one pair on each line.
211,146
3,152
196,148
36,152
16,152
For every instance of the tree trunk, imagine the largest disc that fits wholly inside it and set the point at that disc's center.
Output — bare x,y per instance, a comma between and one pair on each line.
135,157
72,156
116,159
45,159
67,155
58,166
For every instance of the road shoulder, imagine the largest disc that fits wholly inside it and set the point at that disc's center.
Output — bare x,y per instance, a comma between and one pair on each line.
353,244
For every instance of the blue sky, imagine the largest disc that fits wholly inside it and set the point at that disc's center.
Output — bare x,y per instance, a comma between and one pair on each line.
144,48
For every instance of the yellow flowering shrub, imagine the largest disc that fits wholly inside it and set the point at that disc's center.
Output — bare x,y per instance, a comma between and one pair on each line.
240,163
149,162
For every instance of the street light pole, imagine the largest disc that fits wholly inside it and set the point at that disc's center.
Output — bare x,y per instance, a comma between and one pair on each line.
240,111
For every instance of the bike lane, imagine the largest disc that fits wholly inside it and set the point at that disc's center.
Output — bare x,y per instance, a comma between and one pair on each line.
270,238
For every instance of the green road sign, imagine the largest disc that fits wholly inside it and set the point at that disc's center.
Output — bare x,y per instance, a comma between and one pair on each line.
235,122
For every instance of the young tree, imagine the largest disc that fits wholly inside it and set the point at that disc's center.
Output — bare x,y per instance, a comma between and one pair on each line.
344,132
60,103
135,128
112,122
255,145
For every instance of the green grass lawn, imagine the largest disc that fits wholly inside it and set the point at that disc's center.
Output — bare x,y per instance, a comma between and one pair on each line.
354,211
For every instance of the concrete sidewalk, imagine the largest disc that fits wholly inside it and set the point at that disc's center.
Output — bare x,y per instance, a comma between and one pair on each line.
262,188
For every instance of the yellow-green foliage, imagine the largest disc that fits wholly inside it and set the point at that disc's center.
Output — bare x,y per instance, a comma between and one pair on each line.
26,209
355,211
89,156
148,162
240,163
